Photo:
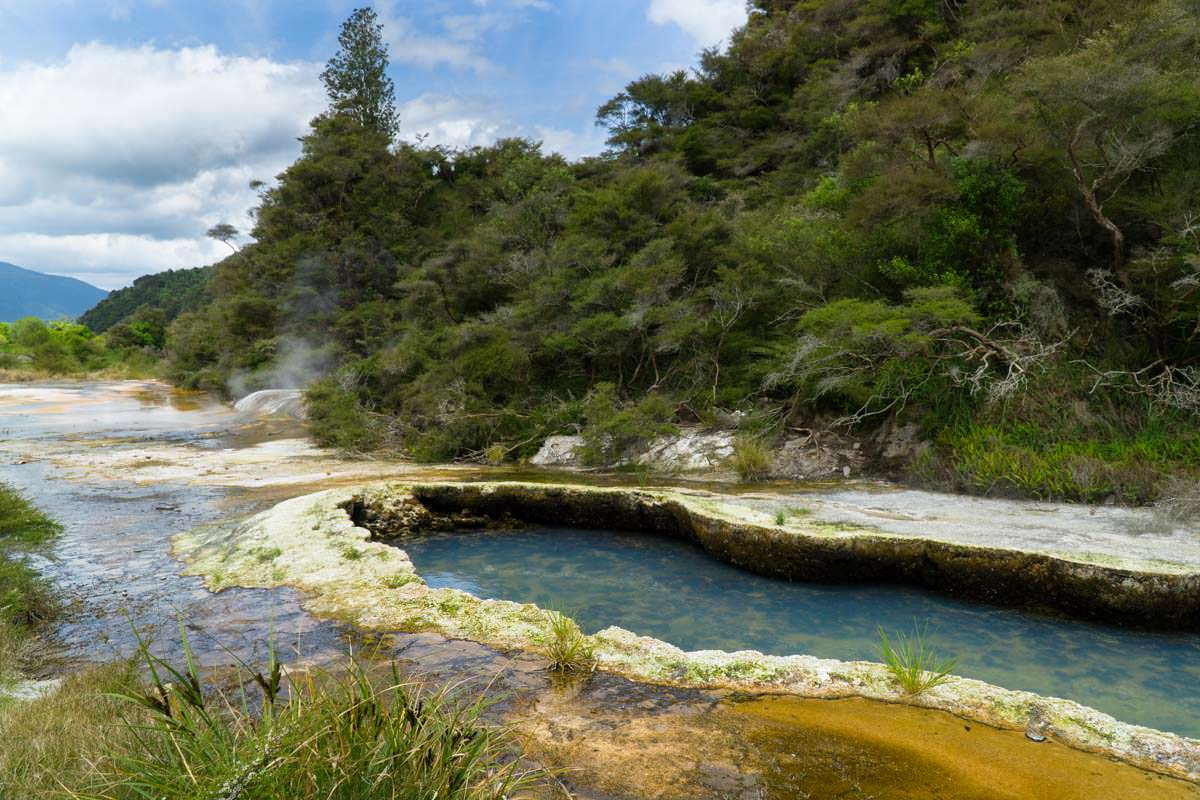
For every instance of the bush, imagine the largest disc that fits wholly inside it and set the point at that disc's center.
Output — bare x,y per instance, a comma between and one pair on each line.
337,419
616,430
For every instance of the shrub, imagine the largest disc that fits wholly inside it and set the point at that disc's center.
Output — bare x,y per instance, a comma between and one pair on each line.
751,459
615,430
912,662
337,419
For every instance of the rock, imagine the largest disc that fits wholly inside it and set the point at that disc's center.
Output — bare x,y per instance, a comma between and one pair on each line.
689,451
810,454
272,403
899,445
30,690
1035,727
559,451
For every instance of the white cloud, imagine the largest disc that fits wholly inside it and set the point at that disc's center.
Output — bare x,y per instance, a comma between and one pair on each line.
457,122
407,45
108,260
114,161
706,21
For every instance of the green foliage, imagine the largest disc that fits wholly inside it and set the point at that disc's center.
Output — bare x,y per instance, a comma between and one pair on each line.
911,660
21,523
751,459
337,419
171,292
309,735
868,210
25,598
66,348
614,429
567,647
356,78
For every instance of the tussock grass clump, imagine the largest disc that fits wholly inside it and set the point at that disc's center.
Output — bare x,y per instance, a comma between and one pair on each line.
567,647
912,662
751,459
316,734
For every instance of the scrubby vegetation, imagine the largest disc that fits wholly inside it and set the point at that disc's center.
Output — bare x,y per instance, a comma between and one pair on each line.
35,348
567,647
978,218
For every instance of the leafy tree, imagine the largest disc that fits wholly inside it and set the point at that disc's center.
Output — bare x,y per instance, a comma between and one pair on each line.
224,233
914,210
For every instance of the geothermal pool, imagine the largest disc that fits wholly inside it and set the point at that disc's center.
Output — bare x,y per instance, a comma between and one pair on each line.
674,591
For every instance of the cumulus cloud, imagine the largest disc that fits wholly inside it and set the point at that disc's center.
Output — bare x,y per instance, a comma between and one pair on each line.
461,121
115,160
706,21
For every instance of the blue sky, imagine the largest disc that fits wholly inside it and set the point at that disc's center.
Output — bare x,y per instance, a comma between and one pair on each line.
127,127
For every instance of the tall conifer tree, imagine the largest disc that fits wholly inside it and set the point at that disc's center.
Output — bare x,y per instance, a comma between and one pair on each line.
356,77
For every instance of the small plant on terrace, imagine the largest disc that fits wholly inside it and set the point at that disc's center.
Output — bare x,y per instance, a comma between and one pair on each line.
912,661
780,517
751,459
567,647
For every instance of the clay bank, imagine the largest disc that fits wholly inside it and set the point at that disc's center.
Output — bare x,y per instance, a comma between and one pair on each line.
337,547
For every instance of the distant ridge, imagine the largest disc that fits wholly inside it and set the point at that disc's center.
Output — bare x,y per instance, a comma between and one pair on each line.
25,293
172,292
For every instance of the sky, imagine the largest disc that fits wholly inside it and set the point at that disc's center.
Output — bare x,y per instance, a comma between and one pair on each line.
129,127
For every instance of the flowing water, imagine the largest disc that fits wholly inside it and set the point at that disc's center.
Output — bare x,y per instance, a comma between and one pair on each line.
674,591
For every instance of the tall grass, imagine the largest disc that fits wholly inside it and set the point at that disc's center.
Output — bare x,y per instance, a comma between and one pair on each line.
326,735
25,598
751,459
567,647
21,523
55,746
912,662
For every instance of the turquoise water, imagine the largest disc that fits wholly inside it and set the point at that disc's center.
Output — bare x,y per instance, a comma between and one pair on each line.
673,590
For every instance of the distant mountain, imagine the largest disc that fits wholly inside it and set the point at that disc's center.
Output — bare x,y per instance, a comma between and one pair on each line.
172,292
25,293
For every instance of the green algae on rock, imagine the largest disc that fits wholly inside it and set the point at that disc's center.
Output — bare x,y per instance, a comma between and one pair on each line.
305,542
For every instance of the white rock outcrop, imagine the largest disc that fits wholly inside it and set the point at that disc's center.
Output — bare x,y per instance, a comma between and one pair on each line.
559,451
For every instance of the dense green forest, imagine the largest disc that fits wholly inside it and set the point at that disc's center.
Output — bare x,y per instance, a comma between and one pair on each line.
974,216
170,292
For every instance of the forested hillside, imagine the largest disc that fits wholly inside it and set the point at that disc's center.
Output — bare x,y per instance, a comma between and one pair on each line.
170,292
976,216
